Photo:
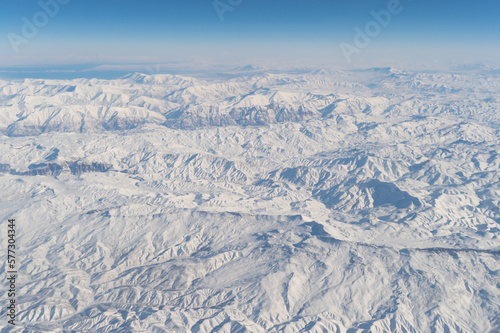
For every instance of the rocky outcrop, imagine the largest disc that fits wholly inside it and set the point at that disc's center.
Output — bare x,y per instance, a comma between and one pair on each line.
79,168
54,169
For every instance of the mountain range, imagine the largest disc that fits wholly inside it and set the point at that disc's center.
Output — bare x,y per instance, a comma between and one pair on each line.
255,201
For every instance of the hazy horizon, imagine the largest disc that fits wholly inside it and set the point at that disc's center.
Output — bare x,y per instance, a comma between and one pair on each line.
211,34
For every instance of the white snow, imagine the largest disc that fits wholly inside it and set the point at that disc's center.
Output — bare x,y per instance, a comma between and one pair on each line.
344,201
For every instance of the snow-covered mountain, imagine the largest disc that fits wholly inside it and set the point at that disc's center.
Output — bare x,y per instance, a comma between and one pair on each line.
326,201
31,107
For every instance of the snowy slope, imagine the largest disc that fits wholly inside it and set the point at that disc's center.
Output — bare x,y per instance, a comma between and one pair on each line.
356,201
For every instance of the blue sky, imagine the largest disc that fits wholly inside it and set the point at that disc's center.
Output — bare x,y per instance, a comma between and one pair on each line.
268,32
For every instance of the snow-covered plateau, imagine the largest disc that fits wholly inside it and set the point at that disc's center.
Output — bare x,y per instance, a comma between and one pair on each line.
314,201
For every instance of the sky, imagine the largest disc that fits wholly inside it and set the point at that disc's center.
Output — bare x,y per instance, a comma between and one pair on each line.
71,35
